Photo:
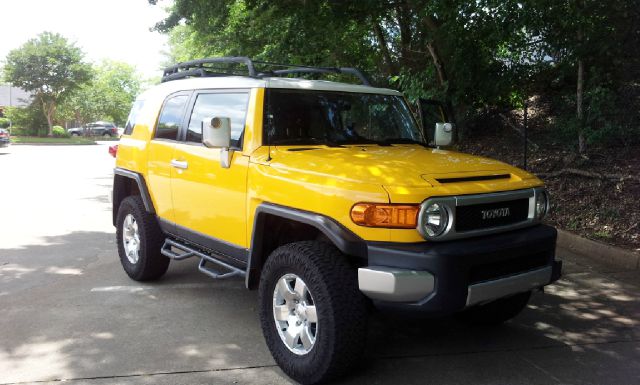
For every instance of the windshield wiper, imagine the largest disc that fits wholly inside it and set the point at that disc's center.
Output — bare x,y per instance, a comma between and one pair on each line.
305,141
364,141
390,141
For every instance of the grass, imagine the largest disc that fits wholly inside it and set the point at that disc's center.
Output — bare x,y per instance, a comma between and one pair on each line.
47,140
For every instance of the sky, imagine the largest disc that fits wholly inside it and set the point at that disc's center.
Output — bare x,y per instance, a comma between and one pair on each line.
103,29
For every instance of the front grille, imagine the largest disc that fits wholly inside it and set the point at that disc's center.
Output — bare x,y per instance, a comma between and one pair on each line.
487,215
513,266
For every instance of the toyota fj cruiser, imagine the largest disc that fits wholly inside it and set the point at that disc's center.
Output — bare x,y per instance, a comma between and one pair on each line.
327,197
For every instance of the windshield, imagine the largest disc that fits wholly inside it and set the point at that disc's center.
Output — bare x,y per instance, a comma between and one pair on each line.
335,118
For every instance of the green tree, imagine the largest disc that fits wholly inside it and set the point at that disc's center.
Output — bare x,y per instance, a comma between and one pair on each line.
28,120
591,49
108,96
50,67
476,55
426,48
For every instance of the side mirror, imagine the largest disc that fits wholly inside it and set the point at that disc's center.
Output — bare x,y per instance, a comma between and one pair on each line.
443,135
216,133
433,114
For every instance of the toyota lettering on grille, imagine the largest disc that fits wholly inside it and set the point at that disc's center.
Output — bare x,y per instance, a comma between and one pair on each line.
495,213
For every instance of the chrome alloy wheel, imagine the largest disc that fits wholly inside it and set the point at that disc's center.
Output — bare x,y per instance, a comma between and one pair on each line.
294,312
131,239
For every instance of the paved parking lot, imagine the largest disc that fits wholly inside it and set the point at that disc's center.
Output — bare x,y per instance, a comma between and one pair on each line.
68,311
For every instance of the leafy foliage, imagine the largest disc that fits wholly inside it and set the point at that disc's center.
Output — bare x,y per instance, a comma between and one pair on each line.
107,96
48,66
27,120
59,132
474,55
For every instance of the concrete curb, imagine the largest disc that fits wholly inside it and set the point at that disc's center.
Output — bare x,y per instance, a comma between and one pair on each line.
594,250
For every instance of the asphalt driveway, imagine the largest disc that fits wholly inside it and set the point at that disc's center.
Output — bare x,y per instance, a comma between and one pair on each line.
68,311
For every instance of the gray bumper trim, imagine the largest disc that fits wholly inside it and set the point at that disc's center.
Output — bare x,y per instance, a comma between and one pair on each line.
395,285
490,290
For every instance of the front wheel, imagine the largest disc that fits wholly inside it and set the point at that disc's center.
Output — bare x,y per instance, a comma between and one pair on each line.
139,241
313,316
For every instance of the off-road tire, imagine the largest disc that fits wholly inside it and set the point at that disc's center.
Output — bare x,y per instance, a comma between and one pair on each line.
498,311
151,263
341,310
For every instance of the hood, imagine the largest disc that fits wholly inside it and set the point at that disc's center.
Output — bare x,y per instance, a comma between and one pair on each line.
397,165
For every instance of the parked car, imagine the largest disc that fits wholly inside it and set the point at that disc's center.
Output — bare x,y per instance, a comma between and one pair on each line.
5,137
105,129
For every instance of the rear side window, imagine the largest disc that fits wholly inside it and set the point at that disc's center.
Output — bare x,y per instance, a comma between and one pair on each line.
171,117
207,106
133,116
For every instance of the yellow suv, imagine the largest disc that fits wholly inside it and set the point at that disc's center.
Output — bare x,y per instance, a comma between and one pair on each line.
327,197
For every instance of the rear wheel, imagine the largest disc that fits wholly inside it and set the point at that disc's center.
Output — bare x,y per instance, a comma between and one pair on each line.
498,311
313,316
106,135
139,241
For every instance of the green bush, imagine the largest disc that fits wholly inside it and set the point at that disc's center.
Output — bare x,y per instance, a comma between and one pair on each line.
29,119
17,131
4,123
59,132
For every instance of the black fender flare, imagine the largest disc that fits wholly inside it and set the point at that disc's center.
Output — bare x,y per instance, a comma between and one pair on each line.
344,239
118,193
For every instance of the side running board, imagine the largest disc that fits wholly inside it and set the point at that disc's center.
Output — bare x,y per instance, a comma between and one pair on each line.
179,251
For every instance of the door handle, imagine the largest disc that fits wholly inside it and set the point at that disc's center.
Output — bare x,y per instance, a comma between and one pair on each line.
179,164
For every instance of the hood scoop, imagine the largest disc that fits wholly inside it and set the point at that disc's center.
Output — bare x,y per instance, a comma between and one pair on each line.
475,178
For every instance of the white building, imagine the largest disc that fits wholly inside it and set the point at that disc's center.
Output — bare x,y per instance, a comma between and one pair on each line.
13,97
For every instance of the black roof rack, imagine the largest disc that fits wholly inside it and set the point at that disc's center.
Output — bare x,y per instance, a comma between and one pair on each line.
243,66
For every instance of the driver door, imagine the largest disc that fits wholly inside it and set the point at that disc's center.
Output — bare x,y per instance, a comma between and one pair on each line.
209,201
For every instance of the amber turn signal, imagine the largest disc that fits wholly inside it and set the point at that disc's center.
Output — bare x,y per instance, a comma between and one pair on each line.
385,215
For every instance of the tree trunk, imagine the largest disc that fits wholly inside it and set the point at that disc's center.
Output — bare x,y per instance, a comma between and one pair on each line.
582,146
48,114
579,114
390,66
404,25
437,62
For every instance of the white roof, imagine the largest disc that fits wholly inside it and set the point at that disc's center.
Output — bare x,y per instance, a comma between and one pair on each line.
240,82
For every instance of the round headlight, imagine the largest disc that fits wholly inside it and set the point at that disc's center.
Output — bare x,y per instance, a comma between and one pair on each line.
542,204
435,219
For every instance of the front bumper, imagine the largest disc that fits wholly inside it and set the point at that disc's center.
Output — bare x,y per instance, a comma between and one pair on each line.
446,277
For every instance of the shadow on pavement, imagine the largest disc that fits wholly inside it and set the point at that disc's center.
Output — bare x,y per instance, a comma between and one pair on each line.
70,312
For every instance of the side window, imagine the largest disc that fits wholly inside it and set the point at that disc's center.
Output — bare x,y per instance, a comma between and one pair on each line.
230,105
171,117
133,116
